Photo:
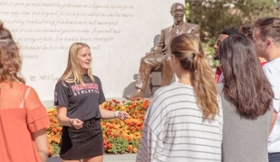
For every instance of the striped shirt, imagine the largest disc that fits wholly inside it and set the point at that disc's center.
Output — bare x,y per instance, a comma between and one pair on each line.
174,130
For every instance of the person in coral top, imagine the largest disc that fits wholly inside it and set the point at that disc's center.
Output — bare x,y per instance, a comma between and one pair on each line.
23,118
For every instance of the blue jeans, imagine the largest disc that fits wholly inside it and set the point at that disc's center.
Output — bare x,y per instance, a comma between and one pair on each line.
274,157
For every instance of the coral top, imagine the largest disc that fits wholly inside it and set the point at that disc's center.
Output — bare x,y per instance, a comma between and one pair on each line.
21,114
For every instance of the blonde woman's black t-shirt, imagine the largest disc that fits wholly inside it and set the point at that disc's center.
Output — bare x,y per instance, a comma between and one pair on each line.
82,102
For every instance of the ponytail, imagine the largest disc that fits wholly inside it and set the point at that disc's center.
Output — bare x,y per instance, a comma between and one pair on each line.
188,50
204,86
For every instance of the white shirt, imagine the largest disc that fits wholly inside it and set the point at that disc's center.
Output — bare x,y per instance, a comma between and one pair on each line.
272,72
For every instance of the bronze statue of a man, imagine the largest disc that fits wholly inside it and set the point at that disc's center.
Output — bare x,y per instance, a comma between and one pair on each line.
159,56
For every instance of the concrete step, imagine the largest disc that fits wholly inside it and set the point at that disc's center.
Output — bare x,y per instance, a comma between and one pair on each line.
107,158
120,158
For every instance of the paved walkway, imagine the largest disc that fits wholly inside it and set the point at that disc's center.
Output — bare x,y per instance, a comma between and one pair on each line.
107,158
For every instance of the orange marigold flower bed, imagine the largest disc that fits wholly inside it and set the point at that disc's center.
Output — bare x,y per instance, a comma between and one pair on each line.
119,136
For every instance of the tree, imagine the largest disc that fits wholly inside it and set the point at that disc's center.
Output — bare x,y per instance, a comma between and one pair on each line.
213,15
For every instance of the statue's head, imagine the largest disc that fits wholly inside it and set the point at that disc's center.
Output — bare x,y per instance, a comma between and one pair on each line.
178,12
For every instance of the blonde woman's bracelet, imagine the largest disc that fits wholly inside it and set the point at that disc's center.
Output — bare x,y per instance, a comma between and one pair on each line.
116,114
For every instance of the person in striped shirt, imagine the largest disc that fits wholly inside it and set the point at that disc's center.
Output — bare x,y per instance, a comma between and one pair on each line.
184,120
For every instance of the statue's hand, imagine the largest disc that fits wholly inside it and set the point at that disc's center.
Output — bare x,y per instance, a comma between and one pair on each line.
150,53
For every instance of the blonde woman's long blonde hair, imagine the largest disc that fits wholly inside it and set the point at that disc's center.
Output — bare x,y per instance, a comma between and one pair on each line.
187,49
73,72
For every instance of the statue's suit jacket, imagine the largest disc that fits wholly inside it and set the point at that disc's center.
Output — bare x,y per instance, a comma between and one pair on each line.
166,36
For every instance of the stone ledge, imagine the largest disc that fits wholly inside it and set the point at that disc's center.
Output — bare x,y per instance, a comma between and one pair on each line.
120,158
107,158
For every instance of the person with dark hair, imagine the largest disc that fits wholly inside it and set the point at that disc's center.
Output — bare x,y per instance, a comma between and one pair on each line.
78,99
246,29
184,119
159,57
225,32
266,37
23,118
246,100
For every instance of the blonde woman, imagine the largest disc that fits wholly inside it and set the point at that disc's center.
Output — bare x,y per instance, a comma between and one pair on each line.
23,118
78,98
184,120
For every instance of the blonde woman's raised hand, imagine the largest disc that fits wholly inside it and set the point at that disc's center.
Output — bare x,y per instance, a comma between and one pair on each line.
122,115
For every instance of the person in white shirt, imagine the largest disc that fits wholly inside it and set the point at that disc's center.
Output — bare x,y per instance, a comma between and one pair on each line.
266,37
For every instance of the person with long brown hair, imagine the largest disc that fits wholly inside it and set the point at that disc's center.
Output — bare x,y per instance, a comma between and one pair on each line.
184,120
23,118
246,100
78,99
